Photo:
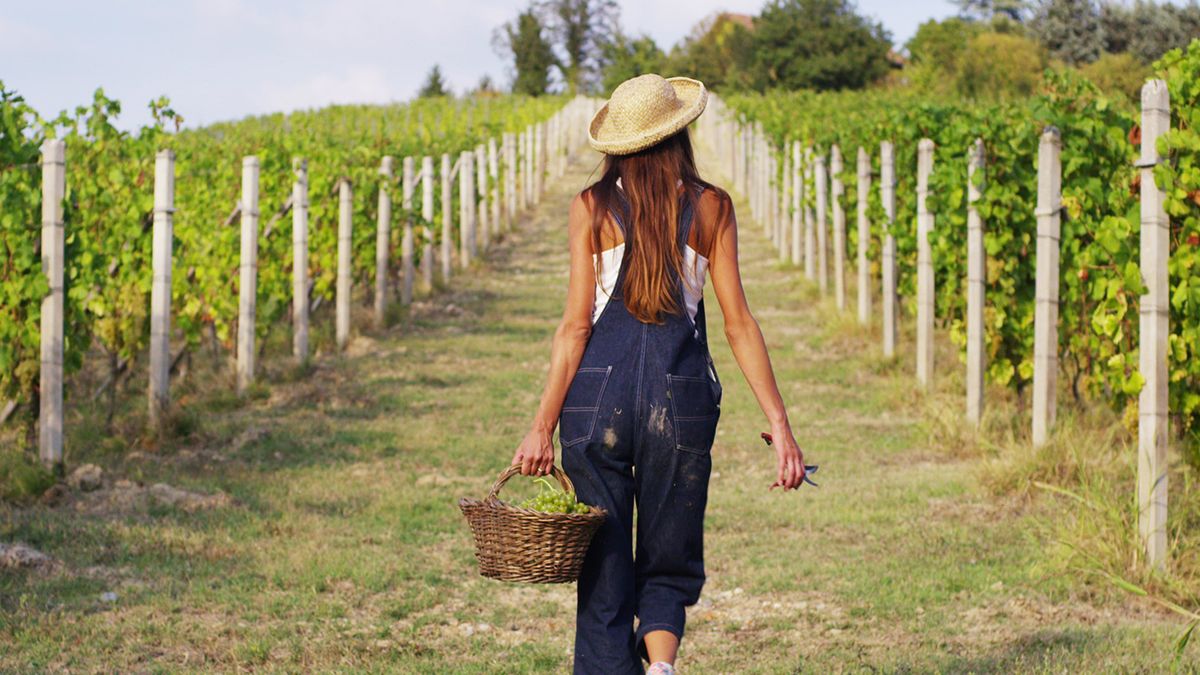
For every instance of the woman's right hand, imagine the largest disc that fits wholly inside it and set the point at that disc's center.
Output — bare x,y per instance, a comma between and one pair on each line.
790,459
535,454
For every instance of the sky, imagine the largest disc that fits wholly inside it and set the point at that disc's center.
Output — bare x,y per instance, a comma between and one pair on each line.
225,59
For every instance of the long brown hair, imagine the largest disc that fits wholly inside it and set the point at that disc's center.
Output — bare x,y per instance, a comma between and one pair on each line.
651,181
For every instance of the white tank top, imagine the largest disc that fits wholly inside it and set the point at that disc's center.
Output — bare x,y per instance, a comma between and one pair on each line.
695,267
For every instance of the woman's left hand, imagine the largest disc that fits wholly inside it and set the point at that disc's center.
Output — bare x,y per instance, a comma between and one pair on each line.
789,459
535,454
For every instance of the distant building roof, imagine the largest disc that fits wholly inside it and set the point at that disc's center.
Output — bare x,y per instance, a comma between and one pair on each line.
745,20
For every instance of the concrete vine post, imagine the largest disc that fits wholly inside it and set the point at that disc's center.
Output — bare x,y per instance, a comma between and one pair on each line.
160,289
1153,333
1045,317
248,275
447,217
864,236
50,383
427,216
925,280
887,191
383,237
345,247
976,285
821,179
407,242
300,260
839,227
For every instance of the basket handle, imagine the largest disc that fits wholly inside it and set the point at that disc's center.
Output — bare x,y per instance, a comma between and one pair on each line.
515,469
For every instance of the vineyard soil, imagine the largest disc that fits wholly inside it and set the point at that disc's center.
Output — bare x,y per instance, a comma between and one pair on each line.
342,548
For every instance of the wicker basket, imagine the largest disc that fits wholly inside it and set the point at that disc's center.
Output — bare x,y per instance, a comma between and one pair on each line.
516,544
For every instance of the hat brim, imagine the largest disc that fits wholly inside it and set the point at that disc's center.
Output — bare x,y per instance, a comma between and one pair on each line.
691,93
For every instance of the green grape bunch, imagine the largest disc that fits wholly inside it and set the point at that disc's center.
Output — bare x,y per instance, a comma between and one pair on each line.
553,499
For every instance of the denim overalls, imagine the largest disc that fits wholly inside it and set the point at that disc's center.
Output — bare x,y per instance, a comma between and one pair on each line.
637,426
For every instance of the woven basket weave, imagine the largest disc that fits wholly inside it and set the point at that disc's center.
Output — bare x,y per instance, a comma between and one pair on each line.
516,544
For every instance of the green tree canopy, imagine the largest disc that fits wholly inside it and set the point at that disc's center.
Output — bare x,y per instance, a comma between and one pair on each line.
435,84
1070,30
818,44
525,42
1148,30
627,57
999,66
935,52
716,52
582,30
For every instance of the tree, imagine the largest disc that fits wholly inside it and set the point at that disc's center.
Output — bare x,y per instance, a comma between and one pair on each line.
993,11
581,29
819,44
533,57
485,87
1118,74
434,85
1000,66
1070,30
717,51
1147,30
936,51
627,57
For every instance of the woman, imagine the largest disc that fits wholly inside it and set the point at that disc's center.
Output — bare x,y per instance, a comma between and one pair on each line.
631,383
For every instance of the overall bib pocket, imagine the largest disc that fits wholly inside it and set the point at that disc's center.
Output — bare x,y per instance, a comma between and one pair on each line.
582,405
695,408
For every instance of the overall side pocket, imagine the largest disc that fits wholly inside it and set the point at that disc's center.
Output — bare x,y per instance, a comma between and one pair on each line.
582,405
695,409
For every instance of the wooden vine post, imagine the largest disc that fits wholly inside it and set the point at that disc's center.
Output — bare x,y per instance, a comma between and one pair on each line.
522,158
810,234
839,226
510,180
822,184
248,274
50,383
797,205
160,288
494,181
976,285
1153,333
887,191
383,237
539,162
407,242
1045,317
785,206
447,217
925,281
864,236
300,260
345,246
482,230
466,203
427,216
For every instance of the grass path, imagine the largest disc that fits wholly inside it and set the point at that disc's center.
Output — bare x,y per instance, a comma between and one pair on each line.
344,549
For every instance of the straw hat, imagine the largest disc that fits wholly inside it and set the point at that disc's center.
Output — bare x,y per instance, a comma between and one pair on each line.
645,110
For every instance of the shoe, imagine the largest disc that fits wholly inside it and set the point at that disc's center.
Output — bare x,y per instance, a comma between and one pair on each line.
661,668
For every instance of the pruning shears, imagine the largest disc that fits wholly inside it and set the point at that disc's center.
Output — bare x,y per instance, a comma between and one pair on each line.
808,468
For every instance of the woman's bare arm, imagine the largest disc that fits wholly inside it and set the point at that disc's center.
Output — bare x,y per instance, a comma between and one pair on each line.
535,454
745,337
